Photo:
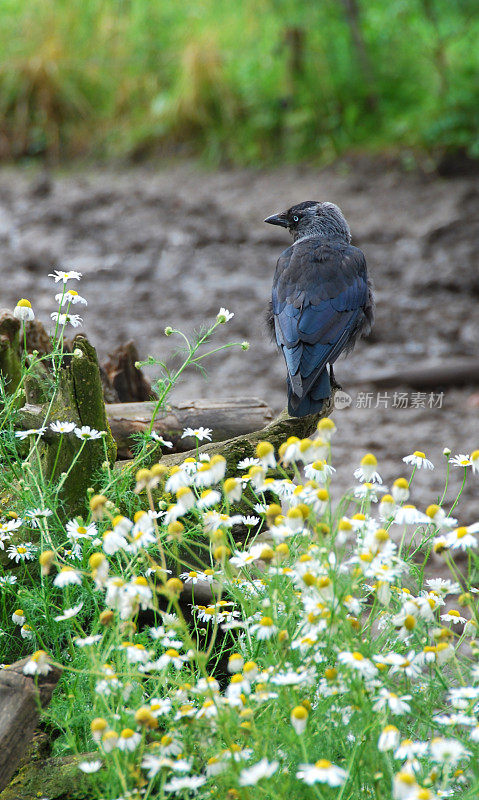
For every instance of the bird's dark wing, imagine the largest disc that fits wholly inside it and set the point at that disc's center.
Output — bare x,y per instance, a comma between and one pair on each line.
320,289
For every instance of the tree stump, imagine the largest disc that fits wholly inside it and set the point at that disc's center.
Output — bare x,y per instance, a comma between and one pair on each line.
10,362
78,399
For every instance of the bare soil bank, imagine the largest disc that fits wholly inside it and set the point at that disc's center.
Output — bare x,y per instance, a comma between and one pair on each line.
169,245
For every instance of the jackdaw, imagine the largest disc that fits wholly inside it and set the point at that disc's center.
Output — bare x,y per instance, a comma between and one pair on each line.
322,300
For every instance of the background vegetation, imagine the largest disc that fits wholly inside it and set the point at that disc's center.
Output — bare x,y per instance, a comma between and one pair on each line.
243,82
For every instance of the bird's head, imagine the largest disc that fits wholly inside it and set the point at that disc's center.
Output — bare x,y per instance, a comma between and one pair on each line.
313,219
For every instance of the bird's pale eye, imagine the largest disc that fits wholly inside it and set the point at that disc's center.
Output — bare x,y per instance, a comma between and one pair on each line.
295,218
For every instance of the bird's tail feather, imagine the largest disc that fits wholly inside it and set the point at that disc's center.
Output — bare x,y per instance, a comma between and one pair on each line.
312,401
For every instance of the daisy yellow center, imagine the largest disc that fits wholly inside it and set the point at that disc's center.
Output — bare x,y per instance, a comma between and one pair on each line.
21,550
409,622
299,712
358,656
264,449
461,532
24,303
419,454
172,653
369,460
454,613
81,529
266,622
401,483
407,779
127,733
323,764
72,291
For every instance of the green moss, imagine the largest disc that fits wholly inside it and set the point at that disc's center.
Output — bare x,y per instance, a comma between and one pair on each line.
55,778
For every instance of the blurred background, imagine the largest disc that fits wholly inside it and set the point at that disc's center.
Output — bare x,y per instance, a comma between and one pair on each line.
143,142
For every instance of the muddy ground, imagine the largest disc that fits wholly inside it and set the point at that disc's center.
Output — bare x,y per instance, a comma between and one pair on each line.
163,245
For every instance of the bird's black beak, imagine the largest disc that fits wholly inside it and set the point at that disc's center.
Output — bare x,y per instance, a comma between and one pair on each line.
278,219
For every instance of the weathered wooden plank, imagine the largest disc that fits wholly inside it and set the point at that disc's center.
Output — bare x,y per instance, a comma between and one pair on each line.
226,417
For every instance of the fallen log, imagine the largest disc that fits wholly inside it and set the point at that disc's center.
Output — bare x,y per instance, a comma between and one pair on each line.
427,376
244,446
21,699
227,418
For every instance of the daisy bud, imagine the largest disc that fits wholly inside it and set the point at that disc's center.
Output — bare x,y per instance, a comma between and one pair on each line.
176,530
250,671
46,561
235,663
330,673
98,726
232,489
274,510
143,716
446,452
106,617
299,719
97,505
96,560
389,739
77,353
400,490
168,330
23,311
174,585
267,553
386,506
221,552
158,470
245,345
143,478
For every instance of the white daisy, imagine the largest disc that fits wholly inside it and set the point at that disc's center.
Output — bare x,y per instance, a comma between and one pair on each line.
192,783
67,577
198,433
419,460
22,552
62,427
37,664
322,771
128,740
61,275
89,766
70,296
461,460
30,432
224,315
249,776
63,319
85,432
157,438
69,613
